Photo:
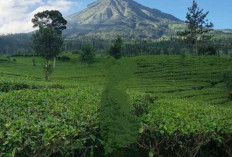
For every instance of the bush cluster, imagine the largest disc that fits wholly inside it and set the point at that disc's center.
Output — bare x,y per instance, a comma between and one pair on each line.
65,122
64,58
178,128
48,122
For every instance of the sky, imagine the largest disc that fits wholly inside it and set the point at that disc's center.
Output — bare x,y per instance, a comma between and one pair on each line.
16,15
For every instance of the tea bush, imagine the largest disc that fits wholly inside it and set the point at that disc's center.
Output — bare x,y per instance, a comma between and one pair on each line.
179,128
47,122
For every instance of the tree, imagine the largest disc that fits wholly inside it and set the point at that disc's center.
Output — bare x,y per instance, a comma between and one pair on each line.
50,19
53,21
116,48
87,55
198,26
48,44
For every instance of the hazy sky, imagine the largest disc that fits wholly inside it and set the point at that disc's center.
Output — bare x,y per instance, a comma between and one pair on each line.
15,15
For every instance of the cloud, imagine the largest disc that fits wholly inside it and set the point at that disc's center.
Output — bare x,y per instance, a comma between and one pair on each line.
15,15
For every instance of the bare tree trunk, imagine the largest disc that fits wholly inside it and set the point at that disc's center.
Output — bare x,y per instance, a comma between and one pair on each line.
47,71
195,51
54,62
47,76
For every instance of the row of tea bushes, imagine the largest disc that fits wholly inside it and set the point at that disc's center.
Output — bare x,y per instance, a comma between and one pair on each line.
12,84
47,122
64,122
179,128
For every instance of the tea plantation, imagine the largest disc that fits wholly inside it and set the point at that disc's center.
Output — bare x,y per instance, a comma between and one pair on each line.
181,102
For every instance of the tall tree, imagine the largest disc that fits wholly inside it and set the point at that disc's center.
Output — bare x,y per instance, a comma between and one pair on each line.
198,26
47,44
116,48
52,20
87,55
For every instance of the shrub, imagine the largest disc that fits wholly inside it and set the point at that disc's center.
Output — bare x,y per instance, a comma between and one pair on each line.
48,122
65,122
227,78
116,48
87,55
34,63
64,58
10,86
177,128
118,126
76,52
207,50
8,57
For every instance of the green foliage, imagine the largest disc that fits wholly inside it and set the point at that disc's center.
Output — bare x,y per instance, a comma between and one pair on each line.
48,122
87,55
11,86
116,48
47,43
33,61
15,43
227,78
179,128
225,51
8,57
207,50
51,20
165,51
64,58
48,70
181,107
119,127
197,26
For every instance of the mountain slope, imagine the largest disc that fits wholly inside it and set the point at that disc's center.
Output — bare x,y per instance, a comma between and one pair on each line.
109,18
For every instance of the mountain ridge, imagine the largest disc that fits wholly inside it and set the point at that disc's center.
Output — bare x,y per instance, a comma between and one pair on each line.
120,17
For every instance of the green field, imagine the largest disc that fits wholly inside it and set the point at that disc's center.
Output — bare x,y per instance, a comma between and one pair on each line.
174,96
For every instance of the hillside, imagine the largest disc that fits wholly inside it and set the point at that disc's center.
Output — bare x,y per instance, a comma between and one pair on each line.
109,18
172,96
193,78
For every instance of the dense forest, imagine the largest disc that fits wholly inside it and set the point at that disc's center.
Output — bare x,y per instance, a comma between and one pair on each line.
15,44
20,44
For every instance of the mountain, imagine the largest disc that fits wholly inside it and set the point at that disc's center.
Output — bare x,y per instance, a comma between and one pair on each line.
127,18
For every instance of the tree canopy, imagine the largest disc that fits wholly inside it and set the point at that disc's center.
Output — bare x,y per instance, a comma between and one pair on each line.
47,43
198,26
50,19
87,55
116,48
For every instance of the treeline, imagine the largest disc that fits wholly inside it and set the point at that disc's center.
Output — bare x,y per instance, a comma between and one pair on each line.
20,44
96,42
15,44
176,46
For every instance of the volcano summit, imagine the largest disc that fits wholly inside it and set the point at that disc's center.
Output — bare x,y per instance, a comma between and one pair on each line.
127,18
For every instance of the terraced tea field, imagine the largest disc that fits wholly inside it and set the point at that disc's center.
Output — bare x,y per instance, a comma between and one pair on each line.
192,78
174,96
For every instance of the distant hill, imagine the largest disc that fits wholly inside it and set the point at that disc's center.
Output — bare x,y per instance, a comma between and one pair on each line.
127,18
